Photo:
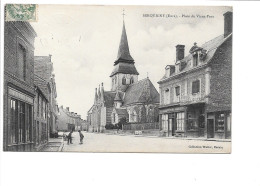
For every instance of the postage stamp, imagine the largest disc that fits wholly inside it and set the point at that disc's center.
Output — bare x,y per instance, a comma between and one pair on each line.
21,12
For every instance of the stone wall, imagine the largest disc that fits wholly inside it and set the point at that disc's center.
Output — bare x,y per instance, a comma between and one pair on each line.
141,126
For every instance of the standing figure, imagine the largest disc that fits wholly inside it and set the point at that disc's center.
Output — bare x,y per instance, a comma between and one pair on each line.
81,137
69,137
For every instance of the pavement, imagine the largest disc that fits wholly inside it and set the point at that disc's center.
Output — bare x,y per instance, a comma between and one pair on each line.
100,142
54,145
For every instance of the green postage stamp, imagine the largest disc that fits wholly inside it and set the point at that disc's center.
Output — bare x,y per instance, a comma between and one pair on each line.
21,12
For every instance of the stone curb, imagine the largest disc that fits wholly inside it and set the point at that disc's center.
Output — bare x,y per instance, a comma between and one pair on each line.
200,139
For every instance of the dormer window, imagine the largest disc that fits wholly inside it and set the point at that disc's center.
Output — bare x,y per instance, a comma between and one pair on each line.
195,59
131,80
124,81
169,70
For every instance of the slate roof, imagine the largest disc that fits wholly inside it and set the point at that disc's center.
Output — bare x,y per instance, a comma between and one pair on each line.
141,91
211,47
109,97
121,112
125,68
42,85
123,51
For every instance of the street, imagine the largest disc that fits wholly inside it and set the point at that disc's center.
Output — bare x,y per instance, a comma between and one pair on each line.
97,142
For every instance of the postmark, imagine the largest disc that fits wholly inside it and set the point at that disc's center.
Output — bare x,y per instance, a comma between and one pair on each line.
21,12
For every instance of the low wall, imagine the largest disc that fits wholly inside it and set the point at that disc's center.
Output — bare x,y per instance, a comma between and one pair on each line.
141,126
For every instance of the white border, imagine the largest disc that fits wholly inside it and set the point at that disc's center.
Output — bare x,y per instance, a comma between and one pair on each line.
239,168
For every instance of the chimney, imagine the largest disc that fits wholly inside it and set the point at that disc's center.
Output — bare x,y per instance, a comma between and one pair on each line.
180,52
228,23
50,57
68,109
61,106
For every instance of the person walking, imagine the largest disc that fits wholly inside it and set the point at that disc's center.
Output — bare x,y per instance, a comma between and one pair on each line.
81,137
69,137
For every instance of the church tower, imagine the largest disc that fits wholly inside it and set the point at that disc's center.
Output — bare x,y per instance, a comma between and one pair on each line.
124,72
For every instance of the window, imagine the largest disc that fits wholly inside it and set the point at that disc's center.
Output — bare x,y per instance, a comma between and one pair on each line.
167,96
220,121
115,79
180,121
131,80
124,81
134,116
21,135
38,106
192,121
114,117
195,59
20,121
22,61
177,90
13,117
165,122
195,86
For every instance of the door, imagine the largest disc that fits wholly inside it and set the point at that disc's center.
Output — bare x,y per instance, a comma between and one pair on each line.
210,128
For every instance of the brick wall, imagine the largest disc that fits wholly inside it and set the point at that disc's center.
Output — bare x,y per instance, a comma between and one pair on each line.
15,33
221,79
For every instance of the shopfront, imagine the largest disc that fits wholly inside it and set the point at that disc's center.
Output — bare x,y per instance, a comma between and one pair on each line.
20,117
183,121
219,125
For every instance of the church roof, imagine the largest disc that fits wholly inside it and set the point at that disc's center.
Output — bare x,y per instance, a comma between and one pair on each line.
109,97
142,91
123,51
124,68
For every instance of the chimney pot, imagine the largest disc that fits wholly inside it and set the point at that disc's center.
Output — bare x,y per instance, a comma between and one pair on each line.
228,23
68,108
180,51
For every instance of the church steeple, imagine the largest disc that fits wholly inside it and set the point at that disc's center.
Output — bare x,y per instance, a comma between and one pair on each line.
124,72
123,51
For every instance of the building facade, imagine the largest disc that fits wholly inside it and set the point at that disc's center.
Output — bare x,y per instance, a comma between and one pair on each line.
195,93
41,113
136,101
68,121
43,67
18,86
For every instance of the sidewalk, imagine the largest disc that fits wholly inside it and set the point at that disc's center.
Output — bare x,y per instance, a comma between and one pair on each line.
170,137
54,145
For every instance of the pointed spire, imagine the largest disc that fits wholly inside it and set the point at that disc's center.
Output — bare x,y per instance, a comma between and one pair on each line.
99,93
102,92
123,51
96,96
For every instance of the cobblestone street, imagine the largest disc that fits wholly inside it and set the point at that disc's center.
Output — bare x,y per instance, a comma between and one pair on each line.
94,142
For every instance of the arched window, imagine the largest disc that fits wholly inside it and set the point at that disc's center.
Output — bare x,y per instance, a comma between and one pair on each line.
134,116
124,81
131,80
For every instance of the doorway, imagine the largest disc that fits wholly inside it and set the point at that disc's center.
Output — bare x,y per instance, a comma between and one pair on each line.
210,128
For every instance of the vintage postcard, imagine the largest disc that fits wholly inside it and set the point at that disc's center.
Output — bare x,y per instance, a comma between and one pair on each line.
81,78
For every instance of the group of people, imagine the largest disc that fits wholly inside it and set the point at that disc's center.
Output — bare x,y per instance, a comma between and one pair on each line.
69,137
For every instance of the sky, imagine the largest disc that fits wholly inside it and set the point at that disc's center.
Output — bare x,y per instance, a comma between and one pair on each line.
83,41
